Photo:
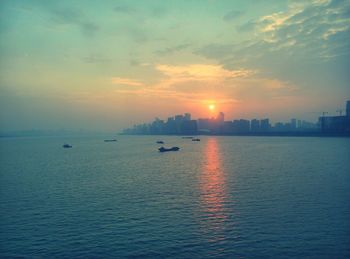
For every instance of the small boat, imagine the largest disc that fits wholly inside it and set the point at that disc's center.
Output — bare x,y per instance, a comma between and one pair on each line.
187,137
110,140
196,139
67,146
160,142
163,149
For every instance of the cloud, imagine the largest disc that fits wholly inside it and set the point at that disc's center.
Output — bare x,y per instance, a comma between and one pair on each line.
195,83
171,50
246,27
72,16
201,72
126,81
232,15
310,23
307,36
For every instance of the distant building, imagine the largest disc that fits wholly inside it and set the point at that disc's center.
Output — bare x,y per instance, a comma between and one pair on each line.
170,126
264,125
189,127
221,117
183,124
299,124
203,125
293,124
178,123
255,125
279,127
336,124
187,117
241,126
227,127
179,118
157,127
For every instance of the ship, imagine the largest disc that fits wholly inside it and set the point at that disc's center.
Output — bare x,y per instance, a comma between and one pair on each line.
163,149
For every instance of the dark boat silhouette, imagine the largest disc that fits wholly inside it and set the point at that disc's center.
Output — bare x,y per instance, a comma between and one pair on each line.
110,140
160,142
196,139
67,146
187,137
163,149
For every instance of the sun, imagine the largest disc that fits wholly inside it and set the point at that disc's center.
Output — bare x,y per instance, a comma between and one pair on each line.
211,107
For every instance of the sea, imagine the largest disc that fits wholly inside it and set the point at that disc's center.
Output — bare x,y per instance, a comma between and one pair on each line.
221,197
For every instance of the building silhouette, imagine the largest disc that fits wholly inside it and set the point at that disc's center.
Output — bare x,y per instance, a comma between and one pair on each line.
265,125
336,124
183,124
255,125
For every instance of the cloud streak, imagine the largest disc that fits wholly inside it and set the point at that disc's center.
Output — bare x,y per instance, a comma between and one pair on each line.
201,72
126,81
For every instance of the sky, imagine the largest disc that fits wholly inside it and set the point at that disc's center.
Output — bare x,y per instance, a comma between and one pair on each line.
106,65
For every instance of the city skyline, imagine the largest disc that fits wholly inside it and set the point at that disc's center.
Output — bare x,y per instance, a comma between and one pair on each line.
184,124
105,66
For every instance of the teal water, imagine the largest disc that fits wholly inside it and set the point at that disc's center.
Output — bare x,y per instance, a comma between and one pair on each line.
221,197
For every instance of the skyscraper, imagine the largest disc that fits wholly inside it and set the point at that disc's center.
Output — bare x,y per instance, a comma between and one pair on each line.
187,117
221,117
265,125
255,125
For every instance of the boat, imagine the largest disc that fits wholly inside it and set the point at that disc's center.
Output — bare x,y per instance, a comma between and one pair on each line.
196,139
163,149
110,140
187,137
67,146
160,142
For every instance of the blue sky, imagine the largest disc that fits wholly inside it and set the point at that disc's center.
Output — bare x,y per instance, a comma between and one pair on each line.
109,64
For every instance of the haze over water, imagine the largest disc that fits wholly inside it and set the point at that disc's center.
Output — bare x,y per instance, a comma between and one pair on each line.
220,197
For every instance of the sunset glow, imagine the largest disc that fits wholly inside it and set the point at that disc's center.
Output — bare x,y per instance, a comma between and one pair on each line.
106,66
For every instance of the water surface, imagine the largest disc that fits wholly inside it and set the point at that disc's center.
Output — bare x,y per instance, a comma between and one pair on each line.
220,197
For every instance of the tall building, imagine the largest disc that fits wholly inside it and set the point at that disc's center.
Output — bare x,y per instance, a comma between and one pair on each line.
336,124
227,127
299,124
170,126
241,126
221,117
178,123
255,125
179,118
293,124
187,117
264,125
203,125
189,127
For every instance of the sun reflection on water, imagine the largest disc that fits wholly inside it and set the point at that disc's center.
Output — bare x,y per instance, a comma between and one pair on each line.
213,193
